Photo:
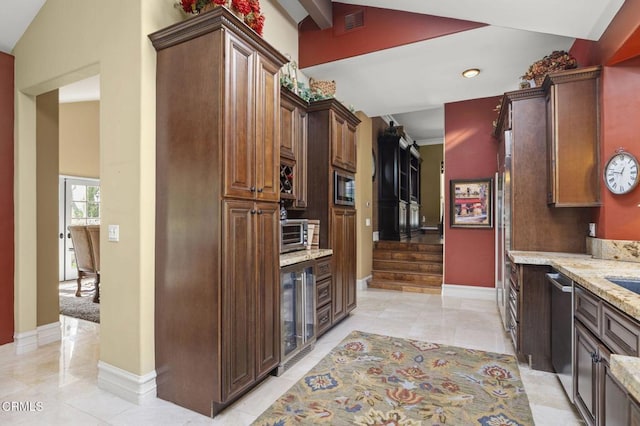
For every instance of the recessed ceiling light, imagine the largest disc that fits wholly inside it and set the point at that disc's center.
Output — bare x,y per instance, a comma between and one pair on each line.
470,73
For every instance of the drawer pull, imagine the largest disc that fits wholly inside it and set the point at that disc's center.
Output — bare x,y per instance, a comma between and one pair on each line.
323,293
324,319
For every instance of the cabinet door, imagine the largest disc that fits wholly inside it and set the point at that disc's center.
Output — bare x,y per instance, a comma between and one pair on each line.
288,122
634,412
349,281
338,136
239,119
238,298
267,287
614,408
585,379
338,244
350,148
267,131
300,177
573,121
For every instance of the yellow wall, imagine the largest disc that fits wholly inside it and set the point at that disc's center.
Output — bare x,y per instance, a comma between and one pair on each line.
364,199
430,194
47,188
80,139
68,41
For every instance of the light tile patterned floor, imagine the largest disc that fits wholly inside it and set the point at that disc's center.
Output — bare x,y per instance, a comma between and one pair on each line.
62,376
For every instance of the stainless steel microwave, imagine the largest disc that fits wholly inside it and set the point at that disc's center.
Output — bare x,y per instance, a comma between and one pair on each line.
293,234
344,189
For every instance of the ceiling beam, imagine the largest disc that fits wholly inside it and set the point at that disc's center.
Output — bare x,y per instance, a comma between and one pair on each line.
320,11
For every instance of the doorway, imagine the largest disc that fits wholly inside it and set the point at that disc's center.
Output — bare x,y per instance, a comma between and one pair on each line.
79,204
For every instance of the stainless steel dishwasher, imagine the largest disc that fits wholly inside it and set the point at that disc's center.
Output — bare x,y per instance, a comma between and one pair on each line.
562,329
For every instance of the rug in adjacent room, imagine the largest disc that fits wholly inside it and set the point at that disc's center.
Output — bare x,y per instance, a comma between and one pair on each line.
79,307
370,379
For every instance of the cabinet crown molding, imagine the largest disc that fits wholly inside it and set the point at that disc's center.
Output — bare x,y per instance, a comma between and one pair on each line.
217,19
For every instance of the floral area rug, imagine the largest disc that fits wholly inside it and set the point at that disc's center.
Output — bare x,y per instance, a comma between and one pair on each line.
370,379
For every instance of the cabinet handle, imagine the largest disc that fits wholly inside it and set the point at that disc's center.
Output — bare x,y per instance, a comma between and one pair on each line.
260,189
595,358
259,211
252,189
253,211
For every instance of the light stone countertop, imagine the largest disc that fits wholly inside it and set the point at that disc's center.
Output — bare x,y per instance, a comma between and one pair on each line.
627,370
590,273
294,257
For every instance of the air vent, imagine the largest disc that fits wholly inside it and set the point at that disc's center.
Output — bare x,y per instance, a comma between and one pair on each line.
354,20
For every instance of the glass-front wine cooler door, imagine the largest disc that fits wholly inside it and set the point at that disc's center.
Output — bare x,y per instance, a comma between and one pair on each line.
289,312
309,305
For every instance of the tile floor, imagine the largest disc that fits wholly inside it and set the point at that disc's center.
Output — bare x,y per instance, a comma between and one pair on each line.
62,376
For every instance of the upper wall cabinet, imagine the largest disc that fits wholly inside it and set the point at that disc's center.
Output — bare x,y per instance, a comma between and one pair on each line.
343,140
293,149
573,132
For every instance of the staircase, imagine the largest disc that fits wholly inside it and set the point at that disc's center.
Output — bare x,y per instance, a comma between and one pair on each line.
407,266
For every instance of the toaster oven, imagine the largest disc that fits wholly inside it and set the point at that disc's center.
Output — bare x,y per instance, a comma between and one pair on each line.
293,234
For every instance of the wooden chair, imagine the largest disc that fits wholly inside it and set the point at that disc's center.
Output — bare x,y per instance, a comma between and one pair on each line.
86,246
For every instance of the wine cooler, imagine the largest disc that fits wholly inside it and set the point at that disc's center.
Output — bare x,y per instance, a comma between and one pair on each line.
297,313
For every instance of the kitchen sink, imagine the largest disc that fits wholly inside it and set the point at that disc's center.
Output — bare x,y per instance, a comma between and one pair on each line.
632,284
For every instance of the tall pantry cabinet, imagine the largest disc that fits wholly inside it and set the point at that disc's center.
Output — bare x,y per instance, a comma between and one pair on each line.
217,293
332,149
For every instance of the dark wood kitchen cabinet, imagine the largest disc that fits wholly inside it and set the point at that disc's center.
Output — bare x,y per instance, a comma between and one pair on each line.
343,141
217,217
600,331
328,122
324,293
573,134
250,297
293,146
529,314
343,230
521,133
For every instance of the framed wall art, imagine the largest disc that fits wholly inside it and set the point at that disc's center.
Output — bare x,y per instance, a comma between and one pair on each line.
471,203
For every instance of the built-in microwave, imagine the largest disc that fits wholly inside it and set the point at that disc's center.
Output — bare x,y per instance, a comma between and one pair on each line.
293,234
344,189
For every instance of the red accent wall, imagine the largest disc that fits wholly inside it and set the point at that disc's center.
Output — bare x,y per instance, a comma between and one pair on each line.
619,51
6,198
620,215
470,152
383,29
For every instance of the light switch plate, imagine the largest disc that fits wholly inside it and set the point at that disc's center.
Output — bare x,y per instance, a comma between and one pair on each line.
114,232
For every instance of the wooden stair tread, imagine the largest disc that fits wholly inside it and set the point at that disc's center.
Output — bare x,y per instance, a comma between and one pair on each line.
407,265
404,286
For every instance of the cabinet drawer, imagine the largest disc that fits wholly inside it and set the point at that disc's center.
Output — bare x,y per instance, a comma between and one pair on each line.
619,332
513,302
323,268
514,277
587,309
324,318
513,331
323,293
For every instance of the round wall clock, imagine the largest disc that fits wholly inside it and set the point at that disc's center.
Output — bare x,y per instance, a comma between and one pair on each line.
621,172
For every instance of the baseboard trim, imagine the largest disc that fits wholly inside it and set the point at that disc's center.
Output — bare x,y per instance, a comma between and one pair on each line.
27,341
468,291
126,385
49,333
363,283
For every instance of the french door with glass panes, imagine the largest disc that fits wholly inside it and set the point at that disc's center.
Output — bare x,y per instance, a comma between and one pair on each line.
79,205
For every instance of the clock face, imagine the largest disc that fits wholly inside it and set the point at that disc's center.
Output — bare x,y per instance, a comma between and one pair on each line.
621,173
